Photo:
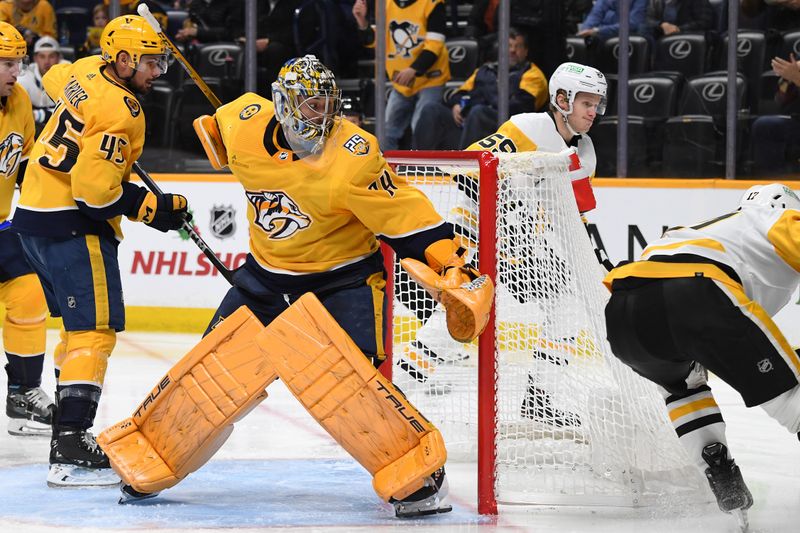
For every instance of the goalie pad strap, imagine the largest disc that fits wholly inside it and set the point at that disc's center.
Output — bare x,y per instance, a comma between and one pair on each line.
207,130
361,409
190,412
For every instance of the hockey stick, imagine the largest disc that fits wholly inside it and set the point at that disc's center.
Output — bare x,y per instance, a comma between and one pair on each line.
145,13
188,227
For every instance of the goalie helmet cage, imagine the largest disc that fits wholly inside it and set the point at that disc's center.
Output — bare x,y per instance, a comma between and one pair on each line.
539,401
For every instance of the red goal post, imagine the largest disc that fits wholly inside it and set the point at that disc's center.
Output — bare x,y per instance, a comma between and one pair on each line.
486,163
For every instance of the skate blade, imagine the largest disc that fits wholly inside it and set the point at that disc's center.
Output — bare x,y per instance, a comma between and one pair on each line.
128,497
423,512
63,476
742,519
21,427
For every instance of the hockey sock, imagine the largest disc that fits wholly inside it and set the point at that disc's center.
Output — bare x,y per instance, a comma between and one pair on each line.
24,371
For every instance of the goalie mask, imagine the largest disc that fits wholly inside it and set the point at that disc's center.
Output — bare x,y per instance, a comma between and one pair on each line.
774,196
574,78
307,103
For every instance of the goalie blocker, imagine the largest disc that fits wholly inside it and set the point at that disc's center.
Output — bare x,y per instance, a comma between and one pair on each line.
191,411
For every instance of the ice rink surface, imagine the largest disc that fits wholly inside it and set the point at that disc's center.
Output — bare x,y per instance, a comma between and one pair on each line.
281,471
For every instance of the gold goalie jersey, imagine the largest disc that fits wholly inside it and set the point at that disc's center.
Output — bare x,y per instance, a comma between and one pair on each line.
528,132
77,177
316,214
757,249
16,140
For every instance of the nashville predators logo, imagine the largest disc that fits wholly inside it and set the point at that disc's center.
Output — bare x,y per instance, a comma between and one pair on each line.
249,111
133,106
357,144
277,214
11,154
405,37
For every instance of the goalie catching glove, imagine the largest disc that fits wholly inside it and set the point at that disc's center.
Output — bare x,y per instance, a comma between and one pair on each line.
163,212
466,294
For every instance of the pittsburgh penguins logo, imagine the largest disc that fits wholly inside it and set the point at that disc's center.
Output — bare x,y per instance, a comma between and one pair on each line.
133,106
249,111
277,214
405,37
10,154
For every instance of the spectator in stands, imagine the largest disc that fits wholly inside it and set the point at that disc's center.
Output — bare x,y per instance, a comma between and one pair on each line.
46,53
93,32
602,22
31,17
274,37
547,23
416,60
207,21
776,138
471,112
665,17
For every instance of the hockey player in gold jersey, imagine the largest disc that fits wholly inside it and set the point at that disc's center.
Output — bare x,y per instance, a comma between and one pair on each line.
76,190
319,192
29,409
701,298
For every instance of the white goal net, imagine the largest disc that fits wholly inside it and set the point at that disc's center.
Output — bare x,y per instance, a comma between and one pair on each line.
571,424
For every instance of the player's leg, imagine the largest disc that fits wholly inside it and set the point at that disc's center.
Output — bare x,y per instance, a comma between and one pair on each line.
28,407
83,274
190,412
330,375
652,326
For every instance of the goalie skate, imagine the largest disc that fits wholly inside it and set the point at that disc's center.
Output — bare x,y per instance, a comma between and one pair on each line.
77,461
30,412
74,476
131,495
430,499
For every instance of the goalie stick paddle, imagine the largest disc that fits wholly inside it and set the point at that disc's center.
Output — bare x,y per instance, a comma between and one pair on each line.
188,227
145,13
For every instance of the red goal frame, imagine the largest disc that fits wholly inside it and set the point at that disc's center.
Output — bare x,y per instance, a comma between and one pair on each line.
487,164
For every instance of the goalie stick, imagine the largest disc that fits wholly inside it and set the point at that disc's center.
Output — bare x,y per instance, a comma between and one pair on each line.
188,227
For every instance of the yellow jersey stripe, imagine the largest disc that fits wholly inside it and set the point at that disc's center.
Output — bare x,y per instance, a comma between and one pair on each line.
99,281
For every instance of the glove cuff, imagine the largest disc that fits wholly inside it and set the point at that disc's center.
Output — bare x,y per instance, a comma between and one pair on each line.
444,254
144,208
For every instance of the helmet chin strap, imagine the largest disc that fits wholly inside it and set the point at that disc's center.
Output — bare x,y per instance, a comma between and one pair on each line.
123,78
565,116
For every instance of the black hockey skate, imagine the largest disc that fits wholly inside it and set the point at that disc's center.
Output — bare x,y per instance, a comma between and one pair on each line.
430,499
537,406
77,461
29,411
725,479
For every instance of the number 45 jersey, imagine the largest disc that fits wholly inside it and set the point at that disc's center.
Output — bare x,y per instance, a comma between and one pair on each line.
76,182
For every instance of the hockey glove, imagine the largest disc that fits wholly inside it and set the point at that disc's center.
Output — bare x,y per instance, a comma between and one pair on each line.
466,294
163,212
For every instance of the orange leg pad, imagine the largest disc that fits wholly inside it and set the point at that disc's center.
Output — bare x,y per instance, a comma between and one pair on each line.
361,409
190,413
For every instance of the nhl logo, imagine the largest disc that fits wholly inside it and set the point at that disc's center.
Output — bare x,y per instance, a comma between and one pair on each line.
223,221
764,366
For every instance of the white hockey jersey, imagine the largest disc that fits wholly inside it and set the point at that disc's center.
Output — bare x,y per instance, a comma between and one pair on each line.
759,245
528,132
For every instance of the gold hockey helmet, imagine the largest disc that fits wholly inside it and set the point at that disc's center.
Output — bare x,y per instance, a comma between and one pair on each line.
11,42
131,34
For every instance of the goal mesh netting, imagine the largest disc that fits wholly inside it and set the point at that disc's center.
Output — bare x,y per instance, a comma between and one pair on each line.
570,423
